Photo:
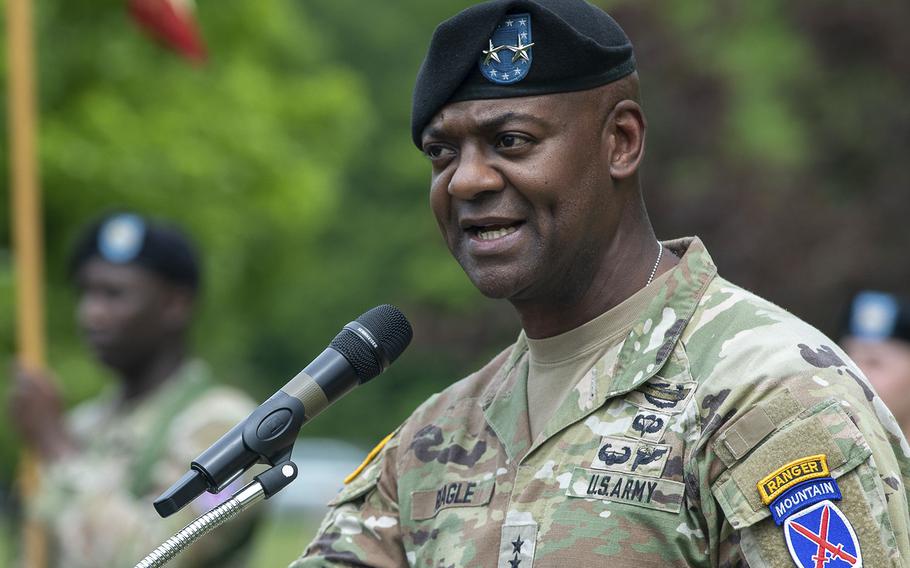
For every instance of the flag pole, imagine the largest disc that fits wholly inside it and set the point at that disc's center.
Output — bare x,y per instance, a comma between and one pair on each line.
27,236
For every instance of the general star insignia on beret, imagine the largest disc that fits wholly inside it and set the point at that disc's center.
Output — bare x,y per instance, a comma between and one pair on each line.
513,34
492,53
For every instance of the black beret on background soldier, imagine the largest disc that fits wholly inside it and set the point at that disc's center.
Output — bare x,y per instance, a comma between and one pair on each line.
650,412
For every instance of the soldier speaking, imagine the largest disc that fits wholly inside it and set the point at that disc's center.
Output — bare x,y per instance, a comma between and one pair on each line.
650,413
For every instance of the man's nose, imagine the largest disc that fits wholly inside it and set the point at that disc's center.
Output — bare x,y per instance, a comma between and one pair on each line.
474,175
90,312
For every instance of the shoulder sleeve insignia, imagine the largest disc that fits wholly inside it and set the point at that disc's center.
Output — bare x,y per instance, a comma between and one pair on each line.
369,459
803,495
822,534
785,477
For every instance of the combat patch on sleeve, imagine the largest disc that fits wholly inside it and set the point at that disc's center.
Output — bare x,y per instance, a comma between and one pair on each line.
785,477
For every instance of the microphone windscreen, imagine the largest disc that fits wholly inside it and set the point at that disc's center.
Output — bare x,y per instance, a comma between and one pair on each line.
390,328
392,333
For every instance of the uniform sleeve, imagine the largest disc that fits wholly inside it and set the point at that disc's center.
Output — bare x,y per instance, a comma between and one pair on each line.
362,527
803,467
98,519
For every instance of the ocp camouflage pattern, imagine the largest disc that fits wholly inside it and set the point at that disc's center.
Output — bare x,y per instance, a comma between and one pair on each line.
653,459
97,504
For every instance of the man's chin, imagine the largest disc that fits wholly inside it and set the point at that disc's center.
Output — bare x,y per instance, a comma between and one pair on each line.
111,358
495,286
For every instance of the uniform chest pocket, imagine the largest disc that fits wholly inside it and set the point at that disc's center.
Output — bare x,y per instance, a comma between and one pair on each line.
426,504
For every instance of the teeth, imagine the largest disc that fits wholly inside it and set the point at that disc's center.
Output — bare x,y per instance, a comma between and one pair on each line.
489,235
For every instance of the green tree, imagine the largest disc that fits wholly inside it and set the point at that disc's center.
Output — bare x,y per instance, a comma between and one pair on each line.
247,152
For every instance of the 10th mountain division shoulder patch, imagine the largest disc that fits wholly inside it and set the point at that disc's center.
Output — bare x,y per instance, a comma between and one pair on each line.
800,495
821,536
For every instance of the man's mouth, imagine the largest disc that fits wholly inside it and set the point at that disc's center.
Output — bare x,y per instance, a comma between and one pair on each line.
491,228
493,233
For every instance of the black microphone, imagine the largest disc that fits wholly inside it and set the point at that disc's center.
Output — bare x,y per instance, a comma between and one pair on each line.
364,348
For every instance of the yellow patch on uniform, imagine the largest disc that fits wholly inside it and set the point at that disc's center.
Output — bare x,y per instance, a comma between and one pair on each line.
367,460
797,471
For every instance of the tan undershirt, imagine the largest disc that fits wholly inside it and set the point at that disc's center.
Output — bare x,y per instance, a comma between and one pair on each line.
557,363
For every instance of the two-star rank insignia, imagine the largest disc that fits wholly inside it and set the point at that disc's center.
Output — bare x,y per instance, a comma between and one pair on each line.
513,34
517,542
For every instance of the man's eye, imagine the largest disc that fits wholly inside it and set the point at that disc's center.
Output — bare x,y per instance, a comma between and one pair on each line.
437,151
511,141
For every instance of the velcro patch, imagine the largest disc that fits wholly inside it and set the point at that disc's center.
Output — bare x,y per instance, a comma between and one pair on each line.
426,504
660,494
622,454
785,477
662,396
803,495
517,543
648,425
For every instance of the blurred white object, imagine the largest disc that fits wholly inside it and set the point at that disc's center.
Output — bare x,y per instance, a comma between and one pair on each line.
323,463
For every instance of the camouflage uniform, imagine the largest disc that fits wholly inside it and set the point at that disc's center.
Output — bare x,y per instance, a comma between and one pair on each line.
98,504
654,458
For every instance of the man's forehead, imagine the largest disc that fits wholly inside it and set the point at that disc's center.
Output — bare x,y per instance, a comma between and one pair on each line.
98,271
485,110
540,109
516,48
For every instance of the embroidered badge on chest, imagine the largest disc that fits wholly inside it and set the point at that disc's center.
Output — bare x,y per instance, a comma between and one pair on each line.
508,56
621,454
662,396
648,425
821,536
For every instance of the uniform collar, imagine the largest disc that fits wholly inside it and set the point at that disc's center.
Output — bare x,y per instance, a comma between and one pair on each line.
644,351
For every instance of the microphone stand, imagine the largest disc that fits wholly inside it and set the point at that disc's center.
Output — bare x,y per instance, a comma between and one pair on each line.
263,486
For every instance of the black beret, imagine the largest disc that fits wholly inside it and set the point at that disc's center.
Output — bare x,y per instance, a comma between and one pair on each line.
127,238
876,316
576,46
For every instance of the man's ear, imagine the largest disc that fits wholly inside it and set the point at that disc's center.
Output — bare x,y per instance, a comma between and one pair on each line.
625,129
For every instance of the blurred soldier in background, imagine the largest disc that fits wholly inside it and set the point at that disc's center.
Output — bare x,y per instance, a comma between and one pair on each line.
107,459
877,337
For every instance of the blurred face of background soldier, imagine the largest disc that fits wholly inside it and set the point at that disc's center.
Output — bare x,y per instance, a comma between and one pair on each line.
136,287
877,338
887,366
129,315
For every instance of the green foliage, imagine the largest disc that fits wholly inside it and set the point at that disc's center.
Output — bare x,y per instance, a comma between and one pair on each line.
247,152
